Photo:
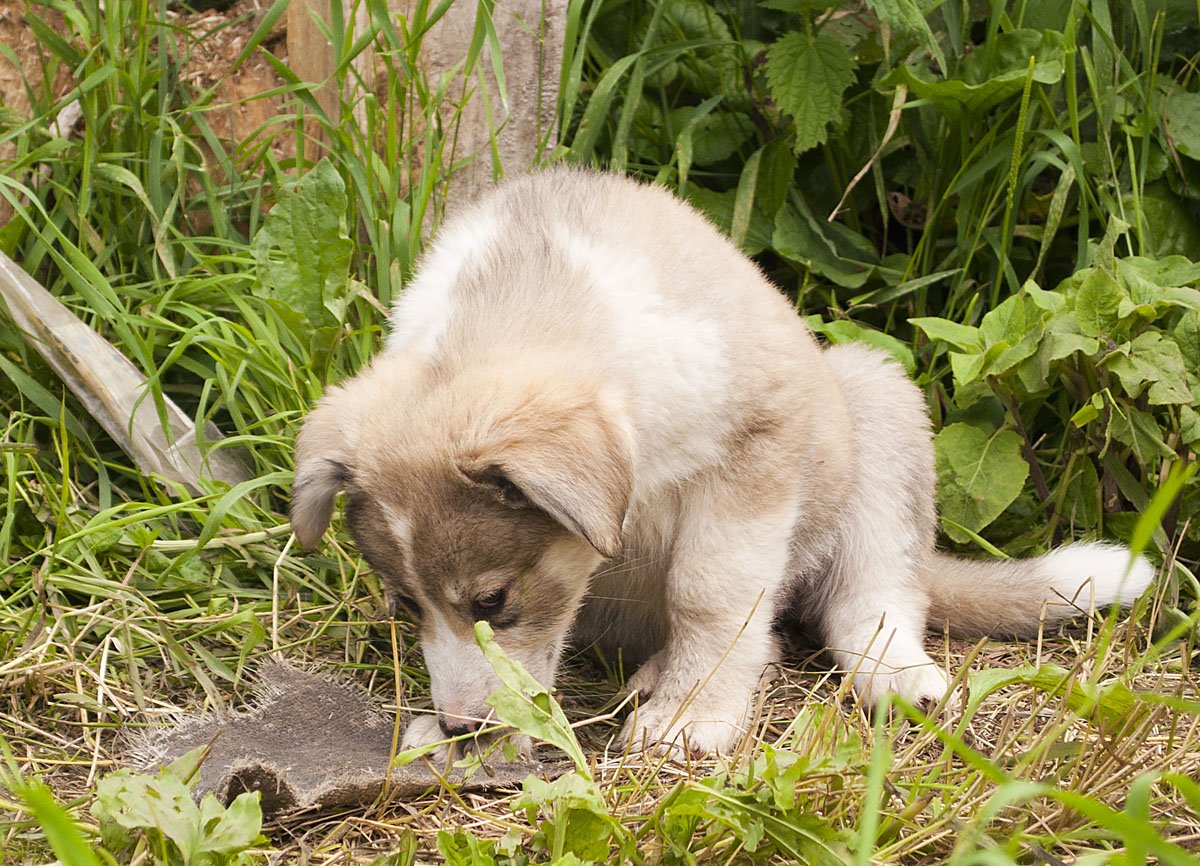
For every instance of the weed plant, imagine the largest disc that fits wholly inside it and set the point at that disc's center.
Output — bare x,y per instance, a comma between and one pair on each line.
1014,188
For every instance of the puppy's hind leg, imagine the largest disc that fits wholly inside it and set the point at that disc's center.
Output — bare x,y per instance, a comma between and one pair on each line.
873,621
874,607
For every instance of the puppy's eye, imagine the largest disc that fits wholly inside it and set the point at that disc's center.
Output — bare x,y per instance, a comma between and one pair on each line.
399,602
490,602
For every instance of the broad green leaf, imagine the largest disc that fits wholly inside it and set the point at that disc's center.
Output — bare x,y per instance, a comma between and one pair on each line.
1182,116
713,136
1139,431
1064,338
807,73
1082,504
575,805
238,826
978,475
963,337
1187,338
797,237
1168,227
848,331
1189,426
1012,333
1097,302
1008,53
302,251
969,366
1060,339
526,704
1009,322
127,802
905,16
955,97
1051,302
1169,271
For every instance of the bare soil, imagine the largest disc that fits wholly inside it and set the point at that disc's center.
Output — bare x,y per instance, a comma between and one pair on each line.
207,50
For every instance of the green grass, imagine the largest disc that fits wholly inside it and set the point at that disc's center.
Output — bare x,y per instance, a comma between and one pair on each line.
122,600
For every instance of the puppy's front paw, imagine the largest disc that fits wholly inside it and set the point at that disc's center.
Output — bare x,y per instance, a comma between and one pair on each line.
423,731
700,728
645,679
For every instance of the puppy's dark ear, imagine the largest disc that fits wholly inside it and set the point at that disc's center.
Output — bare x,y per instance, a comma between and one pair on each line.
324,451
572,459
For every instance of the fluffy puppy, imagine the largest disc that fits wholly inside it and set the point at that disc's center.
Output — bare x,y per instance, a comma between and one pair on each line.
596,421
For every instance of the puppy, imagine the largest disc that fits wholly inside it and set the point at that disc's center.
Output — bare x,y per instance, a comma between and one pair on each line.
596,421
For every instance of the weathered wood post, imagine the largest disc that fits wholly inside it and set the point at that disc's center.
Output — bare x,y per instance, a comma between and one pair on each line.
530,34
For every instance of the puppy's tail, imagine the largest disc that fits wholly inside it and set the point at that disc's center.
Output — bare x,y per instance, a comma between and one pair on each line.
1014,597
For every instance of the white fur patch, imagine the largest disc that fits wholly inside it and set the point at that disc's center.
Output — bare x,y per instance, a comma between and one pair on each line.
459,676
1096,575
423,312
673,361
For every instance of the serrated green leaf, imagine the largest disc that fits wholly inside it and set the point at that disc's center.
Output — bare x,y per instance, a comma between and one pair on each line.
978,475
1155,360
807,73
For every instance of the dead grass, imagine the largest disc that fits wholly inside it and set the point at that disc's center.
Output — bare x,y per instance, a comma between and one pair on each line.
68,694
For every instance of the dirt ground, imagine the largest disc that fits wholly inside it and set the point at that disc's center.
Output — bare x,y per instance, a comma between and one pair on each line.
209,45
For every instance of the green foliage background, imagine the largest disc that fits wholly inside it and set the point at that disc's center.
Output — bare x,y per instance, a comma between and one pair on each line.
1015,193
1006,196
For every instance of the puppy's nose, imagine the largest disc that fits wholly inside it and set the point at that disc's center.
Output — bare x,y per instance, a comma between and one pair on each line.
457,726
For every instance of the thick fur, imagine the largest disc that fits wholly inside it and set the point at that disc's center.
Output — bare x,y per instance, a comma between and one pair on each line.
593,408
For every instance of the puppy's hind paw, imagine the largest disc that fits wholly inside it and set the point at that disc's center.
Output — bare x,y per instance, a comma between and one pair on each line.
922,685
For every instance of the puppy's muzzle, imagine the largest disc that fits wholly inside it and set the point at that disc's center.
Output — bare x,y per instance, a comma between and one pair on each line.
458,726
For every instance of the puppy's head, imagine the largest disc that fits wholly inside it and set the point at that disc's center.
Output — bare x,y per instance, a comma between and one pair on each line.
480,497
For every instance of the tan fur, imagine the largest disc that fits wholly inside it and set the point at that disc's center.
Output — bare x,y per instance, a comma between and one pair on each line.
592,402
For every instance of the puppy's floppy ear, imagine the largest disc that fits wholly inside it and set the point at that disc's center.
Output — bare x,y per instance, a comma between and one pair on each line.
324,451
574,461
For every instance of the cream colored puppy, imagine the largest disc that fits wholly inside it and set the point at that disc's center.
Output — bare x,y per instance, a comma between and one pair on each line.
596,421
